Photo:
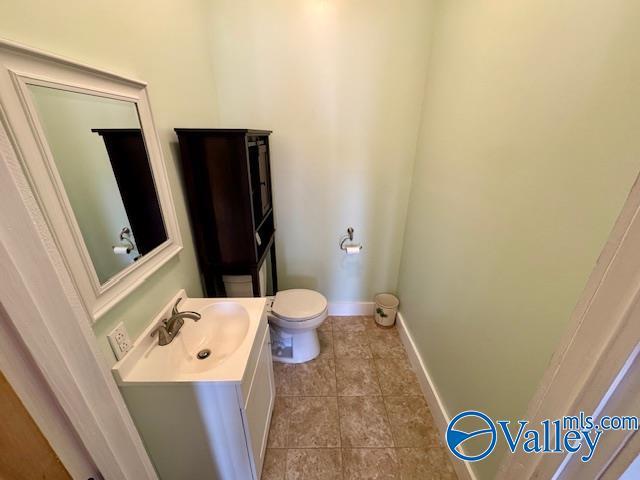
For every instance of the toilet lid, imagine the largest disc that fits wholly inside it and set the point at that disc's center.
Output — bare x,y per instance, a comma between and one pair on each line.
298,304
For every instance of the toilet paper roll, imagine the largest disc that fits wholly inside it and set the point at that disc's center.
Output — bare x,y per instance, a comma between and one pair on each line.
353,249
121,250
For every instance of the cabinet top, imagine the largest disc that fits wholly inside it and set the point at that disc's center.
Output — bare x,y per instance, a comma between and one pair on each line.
100,131
222,131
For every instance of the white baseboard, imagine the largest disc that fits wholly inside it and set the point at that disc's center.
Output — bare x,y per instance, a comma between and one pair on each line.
344,309
440,414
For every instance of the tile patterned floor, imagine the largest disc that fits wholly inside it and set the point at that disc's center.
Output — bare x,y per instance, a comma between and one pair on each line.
355,412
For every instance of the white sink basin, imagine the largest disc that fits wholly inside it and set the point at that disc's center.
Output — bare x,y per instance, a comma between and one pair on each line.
219,332
226,331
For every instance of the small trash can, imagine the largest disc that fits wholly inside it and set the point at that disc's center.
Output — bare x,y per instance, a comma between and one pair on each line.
386,309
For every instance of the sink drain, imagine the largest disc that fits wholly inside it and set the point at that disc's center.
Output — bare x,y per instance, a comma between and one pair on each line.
202,354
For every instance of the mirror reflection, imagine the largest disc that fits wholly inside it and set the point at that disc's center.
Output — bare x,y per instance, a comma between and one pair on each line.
99,152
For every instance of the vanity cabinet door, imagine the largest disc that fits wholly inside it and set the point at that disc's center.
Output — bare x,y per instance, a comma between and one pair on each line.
259,405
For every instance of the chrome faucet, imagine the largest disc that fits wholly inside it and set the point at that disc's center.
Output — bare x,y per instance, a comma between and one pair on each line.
169,328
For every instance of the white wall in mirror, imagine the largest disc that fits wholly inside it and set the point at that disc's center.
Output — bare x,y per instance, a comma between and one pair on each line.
91,161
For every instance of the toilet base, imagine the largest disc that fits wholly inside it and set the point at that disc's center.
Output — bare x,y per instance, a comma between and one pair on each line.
294,346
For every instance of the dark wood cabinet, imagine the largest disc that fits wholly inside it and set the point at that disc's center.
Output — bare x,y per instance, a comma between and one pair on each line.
227,179
128,156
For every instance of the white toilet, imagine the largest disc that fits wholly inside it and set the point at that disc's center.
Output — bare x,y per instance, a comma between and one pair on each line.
294,316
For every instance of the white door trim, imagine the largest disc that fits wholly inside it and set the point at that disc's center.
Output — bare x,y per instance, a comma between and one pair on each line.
26,380
627,456
622,399
604,331
47,313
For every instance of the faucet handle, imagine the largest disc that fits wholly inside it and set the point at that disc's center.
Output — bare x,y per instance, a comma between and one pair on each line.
174,311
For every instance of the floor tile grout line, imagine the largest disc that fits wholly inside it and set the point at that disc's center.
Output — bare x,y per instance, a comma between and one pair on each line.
384,404
342,449
286,440
335,373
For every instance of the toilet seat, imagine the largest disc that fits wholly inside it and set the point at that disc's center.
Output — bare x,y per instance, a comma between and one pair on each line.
299,305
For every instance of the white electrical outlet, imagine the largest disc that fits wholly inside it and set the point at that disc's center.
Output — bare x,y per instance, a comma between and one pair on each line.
119,341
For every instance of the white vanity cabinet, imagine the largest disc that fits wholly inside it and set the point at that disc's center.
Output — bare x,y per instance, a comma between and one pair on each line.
208,429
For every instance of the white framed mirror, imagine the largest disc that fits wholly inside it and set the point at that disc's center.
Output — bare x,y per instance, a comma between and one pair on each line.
86,141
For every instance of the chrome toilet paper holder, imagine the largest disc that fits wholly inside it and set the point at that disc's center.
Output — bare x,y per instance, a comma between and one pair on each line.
125,236
348,236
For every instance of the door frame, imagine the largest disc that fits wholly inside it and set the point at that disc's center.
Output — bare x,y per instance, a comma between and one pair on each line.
622,399
603,334
28,384
47,313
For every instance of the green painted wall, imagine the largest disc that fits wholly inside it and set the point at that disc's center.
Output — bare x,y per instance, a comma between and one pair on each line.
164,44
528,147
340,83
